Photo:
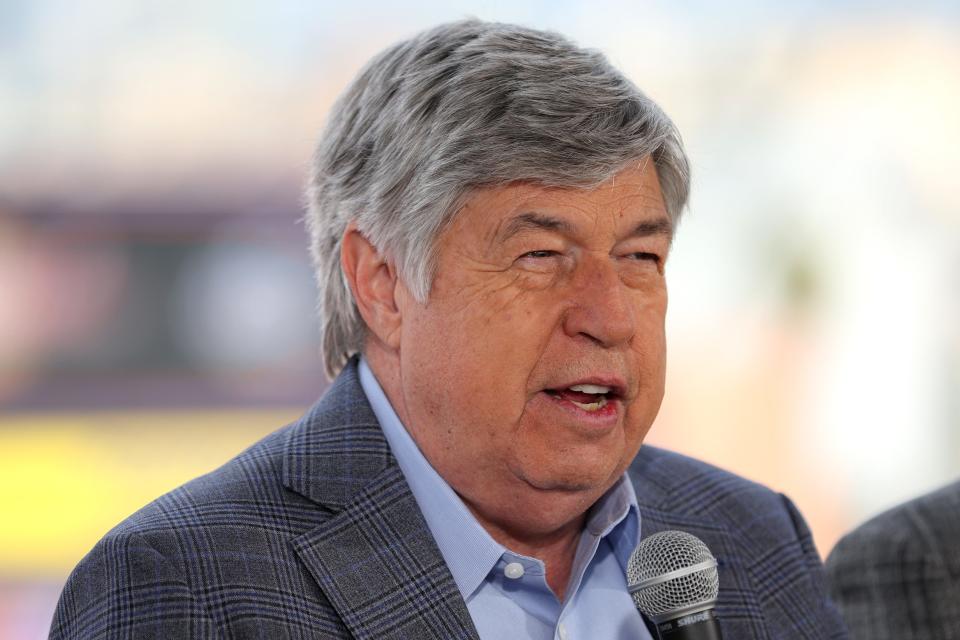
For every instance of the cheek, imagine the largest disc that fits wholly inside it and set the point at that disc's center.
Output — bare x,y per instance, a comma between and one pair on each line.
474,350
650,313
650,348
504,325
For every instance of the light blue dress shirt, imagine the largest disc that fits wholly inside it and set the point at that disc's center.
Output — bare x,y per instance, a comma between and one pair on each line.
507,593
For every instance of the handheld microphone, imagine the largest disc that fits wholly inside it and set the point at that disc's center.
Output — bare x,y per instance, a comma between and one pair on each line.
672,577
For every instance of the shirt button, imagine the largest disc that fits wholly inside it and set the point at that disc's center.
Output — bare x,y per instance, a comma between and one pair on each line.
562,632
514,570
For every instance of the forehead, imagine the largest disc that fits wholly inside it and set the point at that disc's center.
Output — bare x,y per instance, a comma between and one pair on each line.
630,197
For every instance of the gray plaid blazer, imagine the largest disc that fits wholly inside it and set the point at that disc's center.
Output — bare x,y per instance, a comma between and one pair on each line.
898,575
314,533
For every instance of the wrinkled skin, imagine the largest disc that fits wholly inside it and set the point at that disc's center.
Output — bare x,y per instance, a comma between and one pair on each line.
536,289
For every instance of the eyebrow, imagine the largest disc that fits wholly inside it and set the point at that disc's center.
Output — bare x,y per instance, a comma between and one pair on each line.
534,221
656,227
531,221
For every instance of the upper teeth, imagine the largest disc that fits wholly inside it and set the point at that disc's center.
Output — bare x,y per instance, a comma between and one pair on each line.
590,388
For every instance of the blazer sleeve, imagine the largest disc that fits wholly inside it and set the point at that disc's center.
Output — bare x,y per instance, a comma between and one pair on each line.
125,588
828,611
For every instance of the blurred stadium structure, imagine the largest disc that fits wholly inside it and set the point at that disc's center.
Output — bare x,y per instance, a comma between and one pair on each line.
156,303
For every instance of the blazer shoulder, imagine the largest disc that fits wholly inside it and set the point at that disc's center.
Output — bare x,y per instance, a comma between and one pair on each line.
157,566
678,489
923,530
236,492
126,586
672,487
669,480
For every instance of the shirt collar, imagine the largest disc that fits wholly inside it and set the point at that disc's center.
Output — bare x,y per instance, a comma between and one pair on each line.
467,548
616,517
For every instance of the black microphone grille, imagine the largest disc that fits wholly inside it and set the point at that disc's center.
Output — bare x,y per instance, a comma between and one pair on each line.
672,572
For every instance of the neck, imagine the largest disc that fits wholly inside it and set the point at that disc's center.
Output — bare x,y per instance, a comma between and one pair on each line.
556,549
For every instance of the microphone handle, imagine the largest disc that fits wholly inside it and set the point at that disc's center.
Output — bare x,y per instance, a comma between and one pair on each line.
696,626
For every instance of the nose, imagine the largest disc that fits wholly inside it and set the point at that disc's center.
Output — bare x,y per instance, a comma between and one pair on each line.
602,306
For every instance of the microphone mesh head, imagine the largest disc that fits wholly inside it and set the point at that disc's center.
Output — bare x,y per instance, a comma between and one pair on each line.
662,553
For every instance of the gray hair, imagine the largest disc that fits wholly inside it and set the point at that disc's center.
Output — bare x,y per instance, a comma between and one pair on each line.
461,106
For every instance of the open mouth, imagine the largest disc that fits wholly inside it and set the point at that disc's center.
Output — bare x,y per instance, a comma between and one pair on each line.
588,397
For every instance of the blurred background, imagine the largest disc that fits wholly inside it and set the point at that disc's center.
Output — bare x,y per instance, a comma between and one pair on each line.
156,301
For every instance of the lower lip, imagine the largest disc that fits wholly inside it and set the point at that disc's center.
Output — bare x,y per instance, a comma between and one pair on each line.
605,416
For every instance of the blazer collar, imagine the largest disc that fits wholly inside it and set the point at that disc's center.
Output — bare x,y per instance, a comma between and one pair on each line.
374,558
337,447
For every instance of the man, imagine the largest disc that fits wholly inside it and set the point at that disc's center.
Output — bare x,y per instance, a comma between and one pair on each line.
491,213
898,575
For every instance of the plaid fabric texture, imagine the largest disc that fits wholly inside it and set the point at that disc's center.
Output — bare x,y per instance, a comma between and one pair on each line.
898,575
313,533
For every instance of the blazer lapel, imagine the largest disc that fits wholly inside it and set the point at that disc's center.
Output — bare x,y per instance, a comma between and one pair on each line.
379,566
374,558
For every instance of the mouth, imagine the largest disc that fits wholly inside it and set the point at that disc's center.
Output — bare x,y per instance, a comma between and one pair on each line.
588,397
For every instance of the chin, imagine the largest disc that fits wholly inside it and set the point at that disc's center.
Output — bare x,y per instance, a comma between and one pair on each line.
556,508
579,480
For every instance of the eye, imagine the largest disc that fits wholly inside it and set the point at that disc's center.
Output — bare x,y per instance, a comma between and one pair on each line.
643,263
540,253
643,255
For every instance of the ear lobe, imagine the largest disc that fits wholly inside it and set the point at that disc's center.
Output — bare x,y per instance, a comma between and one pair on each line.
373,281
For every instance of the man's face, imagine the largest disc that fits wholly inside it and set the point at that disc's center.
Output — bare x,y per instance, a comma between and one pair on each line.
535,369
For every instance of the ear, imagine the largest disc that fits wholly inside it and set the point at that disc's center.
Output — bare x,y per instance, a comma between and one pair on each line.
373,280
